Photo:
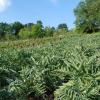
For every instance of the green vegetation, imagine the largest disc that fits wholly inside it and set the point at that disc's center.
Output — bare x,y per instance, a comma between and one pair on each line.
88,16
48,63
45,72
18,31
27,43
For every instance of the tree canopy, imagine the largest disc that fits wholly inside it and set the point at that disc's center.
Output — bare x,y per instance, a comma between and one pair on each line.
88,16
63,26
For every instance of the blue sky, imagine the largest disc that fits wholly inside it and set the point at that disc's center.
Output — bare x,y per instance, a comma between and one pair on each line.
51,12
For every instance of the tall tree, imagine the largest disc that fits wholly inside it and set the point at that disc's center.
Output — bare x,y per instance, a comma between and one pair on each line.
39,22
63,26
16,27
4,29
88,16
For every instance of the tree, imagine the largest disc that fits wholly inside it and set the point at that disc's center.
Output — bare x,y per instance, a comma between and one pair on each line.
29,25
63,26
49,31
26,32
88,16
38,31
34,31
16,27
39,22
4,29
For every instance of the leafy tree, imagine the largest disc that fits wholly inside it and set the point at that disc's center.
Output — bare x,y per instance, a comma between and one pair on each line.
49,31
53,28
38,31
16,27
63,26
88,16
39,22
4,29
34,31
26,32
29,25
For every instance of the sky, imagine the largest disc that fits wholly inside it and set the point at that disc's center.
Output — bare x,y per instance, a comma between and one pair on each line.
50,12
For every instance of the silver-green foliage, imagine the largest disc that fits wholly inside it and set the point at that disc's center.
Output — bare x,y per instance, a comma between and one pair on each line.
84,72
70,69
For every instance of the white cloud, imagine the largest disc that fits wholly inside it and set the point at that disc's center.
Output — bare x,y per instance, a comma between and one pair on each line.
4,4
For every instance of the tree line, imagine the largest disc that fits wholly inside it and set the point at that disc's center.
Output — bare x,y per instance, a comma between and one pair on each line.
87,21
18,30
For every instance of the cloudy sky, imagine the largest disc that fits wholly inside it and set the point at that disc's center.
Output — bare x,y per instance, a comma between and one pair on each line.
51,12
